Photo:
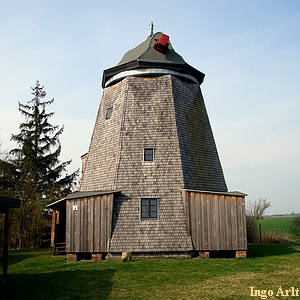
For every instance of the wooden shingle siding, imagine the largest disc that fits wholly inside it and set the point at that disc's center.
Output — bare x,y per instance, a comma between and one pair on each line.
88,229
160,112
201,165
216,221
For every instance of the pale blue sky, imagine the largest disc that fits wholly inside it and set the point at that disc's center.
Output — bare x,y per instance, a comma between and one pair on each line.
249,51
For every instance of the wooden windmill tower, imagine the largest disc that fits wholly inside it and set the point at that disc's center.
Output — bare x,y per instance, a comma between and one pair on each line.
152,180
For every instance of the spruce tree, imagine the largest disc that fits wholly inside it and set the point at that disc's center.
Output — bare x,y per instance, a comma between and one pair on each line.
34,173
39,150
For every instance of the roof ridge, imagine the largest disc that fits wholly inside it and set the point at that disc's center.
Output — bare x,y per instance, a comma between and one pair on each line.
147,42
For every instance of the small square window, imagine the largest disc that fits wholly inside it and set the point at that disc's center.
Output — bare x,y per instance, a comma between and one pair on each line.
149,208
108,113
149,154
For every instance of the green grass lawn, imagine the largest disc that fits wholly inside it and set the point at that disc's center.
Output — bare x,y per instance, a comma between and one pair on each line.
276,224
34,274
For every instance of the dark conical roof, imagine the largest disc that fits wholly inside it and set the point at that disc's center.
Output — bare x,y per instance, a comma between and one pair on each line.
145,52
145,56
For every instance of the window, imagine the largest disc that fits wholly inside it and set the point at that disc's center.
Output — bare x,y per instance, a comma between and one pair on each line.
149,154
149,208
108,113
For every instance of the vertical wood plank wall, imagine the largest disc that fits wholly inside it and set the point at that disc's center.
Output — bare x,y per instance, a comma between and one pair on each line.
88,229
53,223
216,221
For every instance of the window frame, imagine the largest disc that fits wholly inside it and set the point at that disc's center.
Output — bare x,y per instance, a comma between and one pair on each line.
150,208
108,113
152,154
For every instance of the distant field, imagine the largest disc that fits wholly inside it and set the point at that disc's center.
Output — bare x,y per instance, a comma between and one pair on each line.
276,224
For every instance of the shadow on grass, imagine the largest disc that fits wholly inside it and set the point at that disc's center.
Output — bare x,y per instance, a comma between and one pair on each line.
16,256
262,250
78,284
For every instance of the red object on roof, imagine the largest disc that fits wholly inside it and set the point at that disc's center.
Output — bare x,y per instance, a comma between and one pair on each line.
162,43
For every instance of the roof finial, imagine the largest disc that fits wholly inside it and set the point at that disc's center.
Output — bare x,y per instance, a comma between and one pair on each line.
150,31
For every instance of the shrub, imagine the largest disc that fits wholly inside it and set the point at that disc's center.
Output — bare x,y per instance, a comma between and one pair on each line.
295,229
252,230
270,237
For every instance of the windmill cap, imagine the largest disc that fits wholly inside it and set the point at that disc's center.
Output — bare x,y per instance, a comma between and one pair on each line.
156,52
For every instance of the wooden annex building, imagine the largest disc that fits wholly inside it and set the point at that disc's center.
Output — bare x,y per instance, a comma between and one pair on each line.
152,181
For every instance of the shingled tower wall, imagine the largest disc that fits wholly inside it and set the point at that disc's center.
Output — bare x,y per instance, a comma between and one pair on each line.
161,112
167,114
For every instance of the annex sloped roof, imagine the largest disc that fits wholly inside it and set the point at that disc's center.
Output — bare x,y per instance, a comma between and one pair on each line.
229,193
77,195
9,202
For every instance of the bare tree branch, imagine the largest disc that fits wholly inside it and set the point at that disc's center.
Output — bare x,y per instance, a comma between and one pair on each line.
256,209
